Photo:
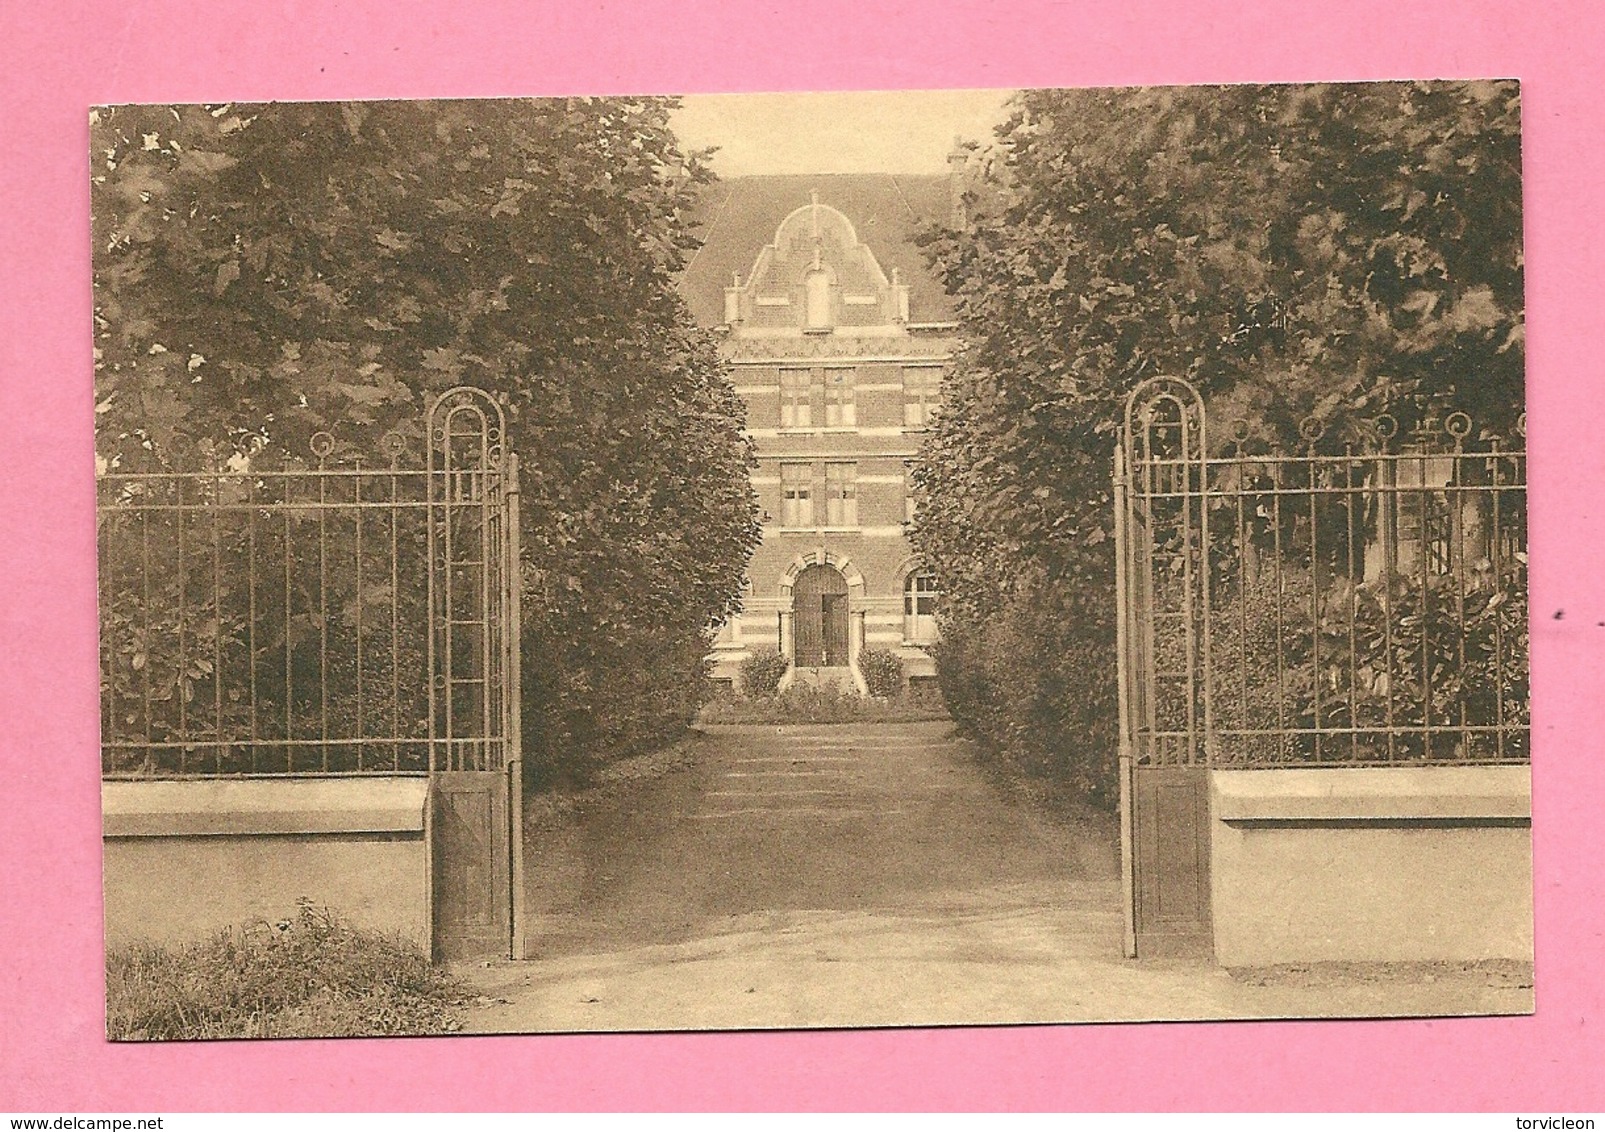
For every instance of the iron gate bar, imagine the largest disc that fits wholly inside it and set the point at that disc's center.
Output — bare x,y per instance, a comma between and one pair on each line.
1123,694
1496,546
1154,477
512,642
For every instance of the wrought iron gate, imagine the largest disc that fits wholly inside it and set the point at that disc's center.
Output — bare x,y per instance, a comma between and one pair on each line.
1162,579
275,616
1361,602
474,753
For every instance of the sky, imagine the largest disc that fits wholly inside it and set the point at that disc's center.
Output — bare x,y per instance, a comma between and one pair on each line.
837,131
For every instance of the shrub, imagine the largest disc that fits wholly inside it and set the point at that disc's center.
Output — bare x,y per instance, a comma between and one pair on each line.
925,692
613,699
882,671
1359,664
310,976
1034,685
804,703
761,673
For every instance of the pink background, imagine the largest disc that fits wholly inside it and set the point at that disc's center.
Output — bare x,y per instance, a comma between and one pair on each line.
60,58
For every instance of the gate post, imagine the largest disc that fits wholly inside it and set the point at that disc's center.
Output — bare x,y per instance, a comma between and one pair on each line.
474,761
1128,892
1163,594
513,700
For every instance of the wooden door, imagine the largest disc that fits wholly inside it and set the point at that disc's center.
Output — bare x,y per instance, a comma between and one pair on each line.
833,620
807,630
819,618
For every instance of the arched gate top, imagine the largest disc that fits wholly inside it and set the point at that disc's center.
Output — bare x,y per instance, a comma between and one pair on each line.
1165,420
467,431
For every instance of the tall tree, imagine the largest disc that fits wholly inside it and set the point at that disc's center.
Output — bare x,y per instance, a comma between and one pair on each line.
265,272
1292,250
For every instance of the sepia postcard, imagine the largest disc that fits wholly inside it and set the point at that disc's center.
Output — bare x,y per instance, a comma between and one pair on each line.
851,559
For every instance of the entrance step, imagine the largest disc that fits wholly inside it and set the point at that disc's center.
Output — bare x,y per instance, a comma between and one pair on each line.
839,678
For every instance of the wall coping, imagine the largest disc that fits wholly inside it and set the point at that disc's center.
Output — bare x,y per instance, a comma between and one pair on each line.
1350,794
262,806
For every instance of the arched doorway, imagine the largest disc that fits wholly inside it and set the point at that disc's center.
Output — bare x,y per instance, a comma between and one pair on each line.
819,618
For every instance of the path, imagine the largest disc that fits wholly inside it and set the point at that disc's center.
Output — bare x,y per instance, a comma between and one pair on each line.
849,876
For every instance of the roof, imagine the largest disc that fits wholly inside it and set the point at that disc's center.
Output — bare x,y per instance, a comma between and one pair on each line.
738,216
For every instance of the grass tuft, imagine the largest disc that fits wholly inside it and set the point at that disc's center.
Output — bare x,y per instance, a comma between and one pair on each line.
309,976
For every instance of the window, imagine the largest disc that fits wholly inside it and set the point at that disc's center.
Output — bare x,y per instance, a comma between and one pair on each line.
799,485
841,495
817,293
922,390
796,495
908,492
839,411
919,607
796,398
810,398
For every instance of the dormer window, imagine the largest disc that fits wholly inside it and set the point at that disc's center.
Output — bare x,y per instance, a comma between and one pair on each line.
815,278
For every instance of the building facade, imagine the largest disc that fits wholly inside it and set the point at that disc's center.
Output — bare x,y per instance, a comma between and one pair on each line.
837,337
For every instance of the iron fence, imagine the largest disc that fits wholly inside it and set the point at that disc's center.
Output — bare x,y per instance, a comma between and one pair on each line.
280,616
1362,601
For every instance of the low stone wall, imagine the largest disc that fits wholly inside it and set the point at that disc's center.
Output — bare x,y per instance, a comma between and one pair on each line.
1386,864
185,858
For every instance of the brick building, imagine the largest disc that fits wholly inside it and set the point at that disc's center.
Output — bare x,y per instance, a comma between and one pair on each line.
837,335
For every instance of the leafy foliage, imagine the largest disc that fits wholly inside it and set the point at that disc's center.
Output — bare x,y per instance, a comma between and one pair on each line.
807,703
761,672
1411,655
882,670
1291,250
1020,685
266,272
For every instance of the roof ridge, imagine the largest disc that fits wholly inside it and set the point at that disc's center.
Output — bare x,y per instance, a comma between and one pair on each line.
892,177
708,235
